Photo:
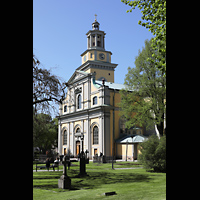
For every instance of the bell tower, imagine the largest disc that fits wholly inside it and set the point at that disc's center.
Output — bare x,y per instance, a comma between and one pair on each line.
95,37
97,59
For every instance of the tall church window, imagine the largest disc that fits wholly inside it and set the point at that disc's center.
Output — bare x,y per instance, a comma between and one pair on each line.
95,100
95,135
65,108
65,137
79,101
78,130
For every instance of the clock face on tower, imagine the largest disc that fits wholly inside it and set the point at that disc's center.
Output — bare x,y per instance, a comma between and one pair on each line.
101,56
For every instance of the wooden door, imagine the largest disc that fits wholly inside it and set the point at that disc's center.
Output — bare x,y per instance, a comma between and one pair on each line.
95,152
77,147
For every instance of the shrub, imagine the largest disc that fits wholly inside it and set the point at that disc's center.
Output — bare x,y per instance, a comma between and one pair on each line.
153,153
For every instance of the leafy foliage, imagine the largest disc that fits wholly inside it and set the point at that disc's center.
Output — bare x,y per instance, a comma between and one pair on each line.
45,131
154,19
145,104
153,153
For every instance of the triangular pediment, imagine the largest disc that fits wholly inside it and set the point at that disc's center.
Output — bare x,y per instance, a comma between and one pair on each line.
77,75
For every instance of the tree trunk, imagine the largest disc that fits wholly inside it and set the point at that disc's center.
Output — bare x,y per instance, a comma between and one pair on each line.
160,128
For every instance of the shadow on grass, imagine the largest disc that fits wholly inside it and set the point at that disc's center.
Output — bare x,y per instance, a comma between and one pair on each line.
94,180
47,175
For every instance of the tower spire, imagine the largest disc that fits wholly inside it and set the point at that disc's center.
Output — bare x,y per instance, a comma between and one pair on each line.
95,17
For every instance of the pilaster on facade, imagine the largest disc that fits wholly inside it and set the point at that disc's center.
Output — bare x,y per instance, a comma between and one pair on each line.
59,137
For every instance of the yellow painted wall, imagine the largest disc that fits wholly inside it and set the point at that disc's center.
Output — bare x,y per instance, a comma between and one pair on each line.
92,57
117,117
116,134
105,58
111,131
89,56
94,120
99,72
129,152
121,151
117,98
104,73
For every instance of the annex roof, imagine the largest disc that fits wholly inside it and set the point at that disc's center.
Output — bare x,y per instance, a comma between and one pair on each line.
129,139
116,86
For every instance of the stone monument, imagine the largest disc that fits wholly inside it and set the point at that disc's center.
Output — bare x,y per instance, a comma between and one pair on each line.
64,182
82,161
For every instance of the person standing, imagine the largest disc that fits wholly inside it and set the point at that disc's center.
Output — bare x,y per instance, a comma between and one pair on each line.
47,163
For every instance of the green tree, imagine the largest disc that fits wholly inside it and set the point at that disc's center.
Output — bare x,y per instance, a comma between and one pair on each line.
153,153
145,104
154,19
45,131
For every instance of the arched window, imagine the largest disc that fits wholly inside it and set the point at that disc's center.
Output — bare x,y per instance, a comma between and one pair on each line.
79,101
78,130
98,43
65,108
65,137
95,100
95,135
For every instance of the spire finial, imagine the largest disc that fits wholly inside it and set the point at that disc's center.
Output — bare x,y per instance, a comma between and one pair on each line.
95,17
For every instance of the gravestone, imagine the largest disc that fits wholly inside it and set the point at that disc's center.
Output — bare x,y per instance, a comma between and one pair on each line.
64,182
82,166
82,161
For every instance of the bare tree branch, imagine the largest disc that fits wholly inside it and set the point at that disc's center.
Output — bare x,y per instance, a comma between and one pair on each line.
46,86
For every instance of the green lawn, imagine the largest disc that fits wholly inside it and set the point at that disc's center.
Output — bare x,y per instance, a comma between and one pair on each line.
128,164
127,183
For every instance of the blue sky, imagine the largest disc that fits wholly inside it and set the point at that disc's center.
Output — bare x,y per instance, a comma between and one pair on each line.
59,28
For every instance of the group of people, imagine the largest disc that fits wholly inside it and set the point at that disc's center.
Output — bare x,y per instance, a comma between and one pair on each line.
55,164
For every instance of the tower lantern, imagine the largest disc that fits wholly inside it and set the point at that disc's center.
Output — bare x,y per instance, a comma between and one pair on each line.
95,37
96,59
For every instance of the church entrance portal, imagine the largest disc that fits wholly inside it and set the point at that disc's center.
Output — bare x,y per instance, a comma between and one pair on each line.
77,147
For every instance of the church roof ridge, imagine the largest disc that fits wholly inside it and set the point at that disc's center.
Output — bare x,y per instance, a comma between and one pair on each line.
116,86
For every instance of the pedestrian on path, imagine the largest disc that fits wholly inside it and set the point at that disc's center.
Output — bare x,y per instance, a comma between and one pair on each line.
47,163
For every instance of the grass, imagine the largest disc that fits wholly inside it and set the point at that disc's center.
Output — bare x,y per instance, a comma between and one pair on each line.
128,164
127,183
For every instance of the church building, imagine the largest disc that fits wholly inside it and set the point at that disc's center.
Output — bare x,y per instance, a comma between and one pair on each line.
90,111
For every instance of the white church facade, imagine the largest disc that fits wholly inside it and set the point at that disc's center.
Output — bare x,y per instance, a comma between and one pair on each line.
90,111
